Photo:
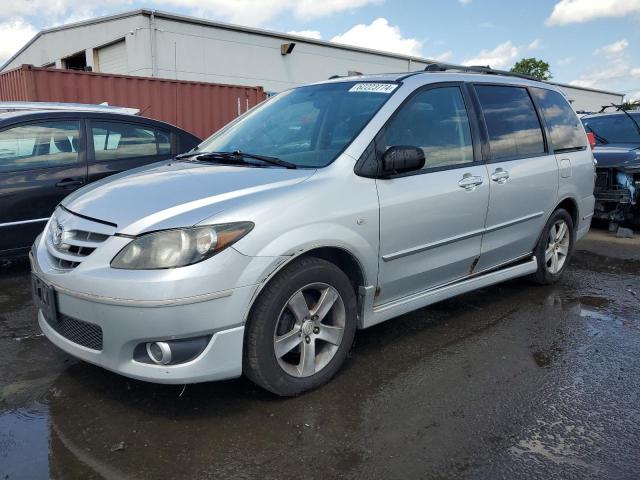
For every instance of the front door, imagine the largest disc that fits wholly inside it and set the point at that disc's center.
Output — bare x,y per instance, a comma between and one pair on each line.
431,221
40,164
524,175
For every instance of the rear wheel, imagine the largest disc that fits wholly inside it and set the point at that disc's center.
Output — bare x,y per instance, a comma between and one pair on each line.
554,248
301,328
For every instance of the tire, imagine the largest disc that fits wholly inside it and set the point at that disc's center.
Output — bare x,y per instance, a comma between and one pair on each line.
308,308
554,248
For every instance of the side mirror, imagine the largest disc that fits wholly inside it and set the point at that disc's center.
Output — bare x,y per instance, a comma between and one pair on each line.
402,159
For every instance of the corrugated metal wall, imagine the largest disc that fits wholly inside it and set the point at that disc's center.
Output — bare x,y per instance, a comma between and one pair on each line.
199,108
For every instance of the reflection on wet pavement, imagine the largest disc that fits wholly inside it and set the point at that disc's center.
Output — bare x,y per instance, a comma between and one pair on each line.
510,381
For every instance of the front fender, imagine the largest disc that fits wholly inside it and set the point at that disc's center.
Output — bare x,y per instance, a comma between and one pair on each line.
305,238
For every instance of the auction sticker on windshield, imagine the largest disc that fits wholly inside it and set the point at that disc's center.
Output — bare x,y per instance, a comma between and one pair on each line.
374,87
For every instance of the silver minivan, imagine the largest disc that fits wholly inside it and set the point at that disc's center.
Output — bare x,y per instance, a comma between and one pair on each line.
329,208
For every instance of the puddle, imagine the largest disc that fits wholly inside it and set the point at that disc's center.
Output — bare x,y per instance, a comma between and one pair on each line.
24,443
593,301
589,313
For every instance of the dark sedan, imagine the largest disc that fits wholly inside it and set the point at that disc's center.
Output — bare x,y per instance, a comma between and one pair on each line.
617,151
47,154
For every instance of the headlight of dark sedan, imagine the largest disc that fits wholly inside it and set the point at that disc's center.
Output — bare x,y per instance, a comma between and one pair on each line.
179,247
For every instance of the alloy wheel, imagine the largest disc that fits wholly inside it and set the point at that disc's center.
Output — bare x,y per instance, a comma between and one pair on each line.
557,249
309,330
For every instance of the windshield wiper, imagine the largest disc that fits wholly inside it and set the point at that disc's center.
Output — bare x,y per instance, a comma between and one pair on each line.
236,157
187,155
632,119
264,158
599,138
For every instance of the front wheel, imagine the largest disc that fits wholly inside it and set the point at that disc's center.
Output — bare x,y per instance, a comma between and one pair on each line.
554,248
301,328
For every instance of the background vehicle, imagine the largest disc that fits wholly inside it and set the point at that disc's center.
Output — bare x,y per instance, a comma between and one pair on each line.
330,207
47,154
617,150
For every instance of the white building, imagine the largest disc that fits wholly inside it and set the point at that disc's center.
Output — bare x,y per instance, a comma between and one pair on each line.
158,44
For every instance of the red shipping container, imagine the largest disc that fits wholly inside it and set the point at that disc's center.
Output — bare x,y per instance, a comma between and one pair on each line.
197,107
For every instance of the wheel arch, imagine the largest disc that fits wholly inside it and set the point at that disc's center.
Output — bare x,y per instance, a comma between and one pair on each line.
344,259
571,206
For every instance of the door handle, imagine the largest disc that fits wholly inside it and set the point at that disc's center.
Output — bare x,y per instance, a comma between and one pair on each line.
500,176
68,183
469,182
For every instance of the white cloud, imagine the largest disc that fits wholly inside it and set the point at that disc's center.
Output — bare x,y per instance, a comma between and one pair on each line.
55,12
633,96
635,72
258,12
486,25
614,70
315,34
321,8
566,61
243,12
500,56
535,44
579,11
14,34
465,2
379,35
613,49
444,56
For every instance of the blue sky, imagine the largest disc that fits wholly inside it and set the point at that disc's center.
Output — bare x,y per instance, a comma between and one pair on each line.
593,43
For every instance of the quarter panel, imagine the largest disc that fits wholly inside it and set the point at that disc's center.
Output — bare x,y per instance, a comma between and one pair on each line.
579,186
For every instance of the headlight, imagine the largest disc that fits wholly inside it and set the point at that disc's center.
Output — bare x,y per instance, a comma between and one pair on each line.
179,247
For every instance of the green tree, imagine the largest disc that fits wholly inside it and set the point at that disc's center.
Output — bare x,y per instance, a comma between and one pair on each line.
533,67
634,105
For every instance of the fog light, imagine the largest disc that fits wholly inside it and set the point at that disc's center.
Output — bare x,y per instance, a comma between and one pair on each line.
170,352
159,352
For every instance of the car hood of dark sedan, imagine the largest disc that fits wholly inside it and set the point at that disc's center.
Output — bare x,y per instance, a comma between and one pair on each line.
617,156
145,197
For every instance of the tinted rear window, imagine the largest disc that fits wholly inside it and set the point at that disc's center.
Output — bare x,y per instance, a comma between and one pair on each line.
566,133
512,122
616,128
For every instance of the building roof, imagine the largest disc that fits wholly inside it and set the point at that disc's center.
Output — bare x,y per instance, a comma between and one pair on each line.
240,28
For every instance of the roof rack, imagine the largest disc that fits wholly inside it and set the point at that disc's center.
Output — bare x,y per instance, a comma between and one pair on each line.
82,107
444,67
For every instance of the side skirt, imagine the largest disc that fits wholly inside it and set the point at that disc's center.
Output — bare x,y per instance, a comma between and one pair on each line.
372,315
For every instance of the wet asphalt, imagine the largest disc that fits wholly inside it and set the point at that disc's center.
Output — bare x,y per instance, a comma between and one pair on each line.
512,381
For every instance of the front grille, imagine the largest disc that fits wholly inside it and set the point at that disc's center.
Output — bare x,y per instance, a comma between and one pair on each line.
83,333
602,180
70,238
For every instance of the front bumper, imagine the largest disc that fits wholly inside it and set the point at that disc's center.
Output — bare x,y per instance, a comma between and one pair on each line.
136,307
124,327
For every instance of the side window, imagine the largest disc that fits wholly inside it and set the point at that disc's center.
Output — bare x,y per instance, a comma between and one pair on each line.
38,145
436,121
164,142
512,122
562,121
115,140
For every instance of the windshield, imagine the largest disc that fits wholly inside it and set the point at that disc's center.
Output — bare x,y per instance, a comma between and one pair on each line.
307,126
613,128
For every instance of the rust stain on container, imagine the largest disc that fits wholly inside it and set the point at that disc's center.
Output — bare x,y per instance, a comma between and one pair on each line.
198,107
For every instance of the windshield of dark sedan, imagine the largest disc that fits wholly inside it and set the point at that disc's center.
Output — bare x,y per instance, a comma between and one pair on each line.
616,128
308,126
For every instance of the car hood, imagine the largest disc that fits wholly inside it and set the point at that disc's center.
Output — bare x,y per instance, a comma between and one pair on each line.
617,156
174,194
